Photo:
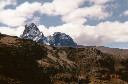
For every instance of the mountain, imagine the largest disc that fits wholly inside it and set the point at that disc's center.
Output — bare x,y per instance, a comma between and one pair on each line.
24,61
58,38
32,32
61,39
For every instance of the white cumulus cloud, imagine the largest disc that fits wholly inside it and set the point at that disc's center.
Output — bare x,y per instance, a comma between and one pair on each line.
125,13
92,35
12,31
68,9
79,15
17,17
104,32
71,13
4,3
60,7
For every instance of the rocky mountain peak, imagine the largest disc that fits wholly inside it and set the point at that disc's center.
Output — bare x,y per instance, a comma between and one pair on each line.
32,32
58,39
30,27
61,39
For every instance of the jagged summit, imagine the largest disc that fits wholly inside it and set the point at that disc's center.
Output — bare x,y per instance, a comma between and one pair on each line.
58,39
32,32
63,35
28,28
61,39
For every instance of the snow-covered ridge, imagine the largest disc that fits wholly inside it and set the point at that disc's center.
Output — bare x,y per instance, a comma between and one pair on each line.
58,39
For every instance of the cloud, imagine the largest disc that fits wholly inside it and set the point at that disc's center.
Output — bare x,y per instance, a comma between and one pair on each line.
113,31
113,6
60,7
99,1
92,35
74,17
35,20
85,35
125,13
28,8
63,7
4,3
45,30
104,32
69,9
78,16
12,31
71,13
17,17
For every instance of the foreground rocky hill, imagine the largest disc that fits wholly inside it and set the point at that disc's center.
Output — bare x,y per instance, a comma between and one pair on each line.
29,62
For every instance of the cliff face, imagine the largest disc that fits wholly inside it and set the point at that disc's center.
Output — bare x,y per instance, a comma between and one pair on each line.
28,62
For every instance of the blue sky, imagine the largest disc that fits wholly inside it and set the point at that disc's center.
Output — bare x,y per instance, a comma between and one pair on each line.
88,22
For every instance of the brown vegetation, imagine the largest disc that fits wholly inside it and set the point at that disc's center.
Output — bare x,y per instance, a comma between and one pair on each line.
28,62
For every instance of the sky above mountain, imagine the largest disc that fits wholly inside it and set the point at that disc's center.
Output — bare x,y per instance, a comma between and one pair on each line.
88,22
